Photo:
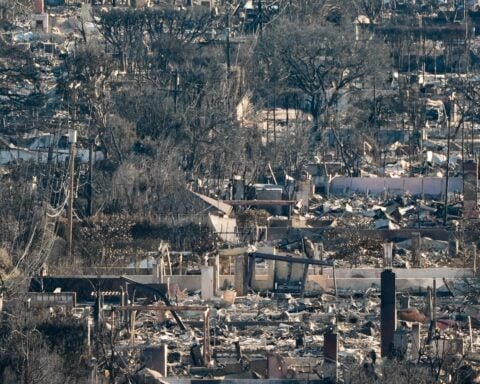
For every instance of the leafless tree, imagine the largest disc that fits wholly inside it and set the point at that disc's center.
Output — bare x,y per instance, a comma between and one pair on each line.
19,80
25,354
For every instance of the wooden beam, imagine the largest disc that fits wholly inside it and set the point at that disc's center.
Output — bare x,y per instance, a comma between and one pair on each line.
289,259
160,294
246,323
173,308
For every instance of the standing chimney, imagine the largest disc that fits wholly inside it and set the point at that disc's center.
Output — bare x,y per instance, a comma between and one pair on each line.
388,312
387,255
330,345
39,7
416,249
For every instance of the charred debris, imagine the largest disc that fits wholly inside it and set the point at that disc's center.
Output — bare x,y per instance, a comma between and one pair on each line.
358,266
342,287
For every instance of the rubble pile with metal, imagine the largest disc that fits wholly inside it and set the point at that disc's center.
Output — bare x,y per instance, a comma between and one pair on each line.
262,335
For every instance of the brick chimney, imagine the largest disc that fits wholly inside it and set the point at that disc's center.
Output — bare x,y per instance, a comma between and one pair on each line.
39,6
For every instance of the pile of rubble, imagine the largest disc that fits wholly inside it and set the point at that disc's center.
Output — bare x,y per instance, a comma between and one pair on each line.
377,212
260,336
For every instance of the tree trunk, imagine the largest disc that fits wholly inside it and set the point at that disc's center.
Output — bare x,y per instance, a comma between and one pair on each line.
315,111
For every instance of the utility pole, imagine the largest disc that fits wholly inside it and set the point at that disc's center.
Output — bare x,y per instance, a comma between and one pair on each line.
91,143
175,91
465,14
72,139
470,110
374,101
227,32
447,120
260,15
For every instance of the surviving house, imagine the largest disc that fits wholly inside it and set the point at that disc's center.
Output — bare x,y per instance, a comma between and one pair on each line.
42,148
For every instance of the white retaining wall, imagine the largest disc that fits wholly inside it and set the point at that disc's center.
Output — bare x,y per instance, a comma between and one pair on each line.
430,186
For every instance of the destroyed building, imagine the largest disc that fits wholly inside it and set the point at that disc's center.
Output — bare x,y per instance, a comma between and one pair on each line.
209,218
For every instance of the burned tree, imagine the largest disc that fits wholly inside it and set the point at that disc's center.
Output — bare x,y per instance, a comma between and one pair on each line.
322,62
20,86
85,86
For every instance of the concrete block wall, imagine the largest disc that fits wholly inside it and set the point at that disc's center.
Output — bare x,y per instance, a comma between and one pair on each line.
41,20
430,186
240,266
448,273
282,271
207,283
265,282
355,279
362,284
